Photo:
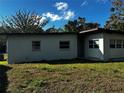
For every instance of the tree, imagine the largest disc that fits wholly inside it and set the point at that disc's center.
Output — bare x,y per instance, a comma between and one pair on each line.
3,40
24,22
116,20
52,30
79,25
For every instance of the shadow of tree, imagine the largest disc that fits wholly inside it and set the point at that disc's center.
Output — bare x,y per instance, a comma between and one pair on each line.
3,78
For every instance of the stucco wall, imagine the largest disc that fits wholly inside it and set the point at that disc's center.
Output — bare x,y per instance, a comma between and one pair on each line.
20,48
92,53
113,53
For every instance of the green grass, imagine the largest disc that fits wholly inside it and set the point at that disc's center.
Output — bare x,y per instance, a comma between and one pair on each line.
64,78
3,62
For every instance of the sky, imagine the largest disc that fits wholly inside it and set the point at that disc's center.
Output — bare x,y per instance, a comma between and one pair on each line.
59,11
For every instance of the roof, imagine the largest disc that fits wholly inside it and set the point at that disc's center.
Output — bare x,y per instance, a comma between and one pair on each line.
38,33
29,32
95,30
99,30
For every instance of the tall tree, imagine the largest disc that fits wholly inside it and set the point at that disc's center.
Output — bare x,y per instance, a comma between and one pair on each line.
52,30
79,25
24,21
116,20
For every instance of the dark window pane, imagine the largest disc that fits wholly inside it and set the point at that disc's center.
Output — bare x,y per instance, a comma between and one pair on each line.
123,44
112,43
90,46
64,44
96,46
112,46
118,45
91,42
35,45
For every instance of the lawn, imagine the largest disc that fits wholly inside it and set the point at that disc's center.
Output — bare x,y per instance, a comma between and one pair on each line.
63,78
3,62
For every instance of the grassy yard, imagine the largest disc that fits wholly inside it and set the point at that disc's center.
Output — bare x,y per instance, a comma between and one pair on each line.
62,78
3,62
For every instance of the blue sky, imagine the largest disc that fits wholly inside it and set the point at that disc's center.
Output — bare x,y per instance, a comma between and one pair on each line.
60,11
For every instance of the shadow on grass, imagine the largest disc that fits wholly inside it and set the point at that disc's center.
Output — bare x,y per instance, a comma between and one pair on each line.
73,61
3,78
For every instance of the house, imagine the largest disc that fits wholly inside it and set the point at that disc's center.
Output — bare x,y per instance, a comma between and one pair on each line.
94,44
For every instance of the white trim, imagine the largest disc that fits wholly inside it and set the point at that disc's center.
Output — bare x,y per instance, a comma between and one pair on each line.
85,31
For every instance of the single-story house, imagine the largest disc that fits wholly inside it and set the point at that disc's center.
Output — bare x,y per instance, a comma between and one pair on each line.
94,44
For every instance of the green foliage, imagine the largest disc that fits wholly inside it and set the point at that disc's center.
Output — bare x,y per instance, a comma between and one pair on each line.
116,20
52,30
3,62
79,25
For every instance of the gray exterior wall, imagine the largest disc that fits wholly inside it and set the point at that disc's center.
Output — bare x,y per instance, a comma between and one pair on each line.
94,53
113,53
104,52
20,48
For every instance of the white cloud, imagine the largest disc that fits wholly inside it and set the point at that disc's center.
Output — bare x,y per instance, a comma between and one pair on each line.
84,3
52,16
43,19
61,5
65,13
68,15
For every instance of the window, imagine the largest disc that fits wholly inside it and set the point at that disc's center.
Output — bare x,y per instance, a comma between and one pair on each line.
64,44
112,44
123,43
93,43
118,43
35,45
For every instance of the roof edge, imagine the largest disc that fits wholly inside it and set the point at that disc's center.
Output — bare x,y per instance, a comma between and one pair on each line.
98,30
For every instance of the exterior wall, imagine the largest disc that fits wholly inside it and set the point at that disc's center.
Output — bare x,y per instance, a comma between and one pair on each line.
92,53
113,53
3,38
20,48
